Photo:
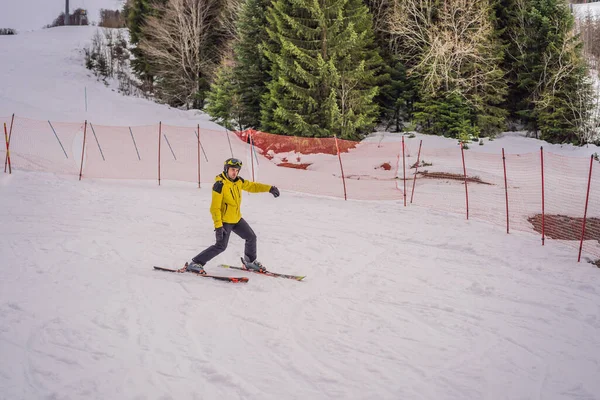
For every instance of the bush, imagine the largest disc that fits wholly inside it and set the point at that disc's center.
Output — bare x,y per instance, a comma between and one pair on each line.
7,31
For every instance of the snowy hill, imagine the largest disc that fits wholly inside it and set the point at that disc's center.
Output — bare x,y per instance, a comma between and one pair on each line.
398,303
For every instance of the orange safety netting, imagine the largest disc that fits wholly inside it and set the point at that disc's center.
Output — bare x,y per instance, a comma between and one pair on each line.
423,176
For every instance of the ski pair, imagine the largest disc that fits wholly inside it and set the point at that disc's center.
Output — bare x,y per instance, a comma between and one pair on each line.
219,278
267,273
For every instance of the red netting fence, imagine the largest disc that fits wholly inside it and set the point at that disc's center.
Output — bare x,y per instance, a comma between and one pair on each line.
543,193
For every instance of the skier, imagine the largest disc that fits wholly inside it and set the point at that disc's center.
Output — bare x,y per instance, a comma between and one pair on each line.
225,211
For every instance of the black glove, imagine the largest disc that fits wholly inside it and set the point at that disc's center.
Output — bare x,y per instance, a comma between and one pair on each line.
274,191
220,233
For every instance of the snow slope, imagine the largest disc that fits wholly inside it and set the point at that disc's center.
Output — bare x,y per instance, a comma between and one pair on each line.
27,15
398,303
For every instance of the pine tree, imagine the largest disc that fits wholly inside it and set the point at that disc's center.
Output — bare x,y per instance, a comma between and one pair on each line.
324,69
549,89
398,93
224,103
136,13
251,68
448,115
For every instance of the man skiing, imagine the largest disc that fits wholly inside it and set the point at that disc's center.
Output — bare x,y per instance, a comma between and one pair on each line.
226,213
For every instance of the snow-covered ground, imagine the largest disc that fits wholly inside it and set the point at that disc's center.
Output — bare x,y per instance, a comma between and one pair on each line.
398,303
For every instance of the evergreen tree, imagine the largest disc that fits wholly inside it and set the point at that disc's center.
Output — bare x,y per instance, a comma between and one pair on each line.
549,87
448,115
136,13
324,68
251,68
398,93
224,103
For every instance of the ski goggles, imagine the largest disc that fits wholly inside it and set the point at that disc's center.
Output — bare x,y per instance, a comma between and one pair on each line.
233,162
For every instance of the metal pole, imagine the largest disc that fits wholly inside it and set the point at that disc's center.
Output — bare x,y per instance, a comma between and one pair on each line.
416,171
229,140
341,167
97,142
198,137
201,147
167,139
134,144
63,149
83,149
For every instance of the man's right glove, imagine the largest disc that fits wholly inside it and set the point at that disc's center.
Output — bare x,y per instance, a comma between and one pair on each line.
220,233
274,191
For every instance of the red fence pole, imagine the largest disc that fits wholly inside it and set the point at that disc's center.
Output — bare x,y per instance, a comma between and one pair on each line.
416,171
404,170
465,172
83,149
198,156
159,136
7,152
7,158
341,166
587,197
543,200
505,189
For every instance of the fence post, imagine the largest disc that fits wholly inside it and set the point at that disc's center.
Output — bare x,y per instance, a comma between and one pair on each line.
543,200
7,158
505,189
159,137
83,149
198,136
587,197
341,166
7,151
416,171
462,149
404,170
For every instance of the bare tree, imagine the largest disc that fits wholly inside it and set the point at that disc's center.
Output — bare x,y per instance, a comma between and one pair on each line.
447,45
185,43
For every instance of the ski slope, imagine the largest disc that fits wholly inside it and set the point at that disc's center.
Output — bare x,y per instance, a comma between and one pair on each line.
398,303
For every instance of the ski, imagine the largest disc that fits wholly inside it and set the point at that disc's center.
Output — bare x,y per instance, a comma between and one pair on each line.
219,278
267,273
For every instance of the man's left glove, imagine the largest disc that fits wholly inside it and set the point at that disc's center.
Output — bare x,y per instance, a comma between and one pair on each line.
274,191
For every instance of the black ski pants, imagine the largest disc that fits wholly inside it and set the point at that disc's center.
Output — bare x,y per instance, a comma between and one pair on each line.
243,230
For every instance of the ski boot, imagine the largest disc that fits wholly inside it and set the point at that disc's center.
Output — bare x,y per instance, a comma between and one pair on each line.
195,267
253,266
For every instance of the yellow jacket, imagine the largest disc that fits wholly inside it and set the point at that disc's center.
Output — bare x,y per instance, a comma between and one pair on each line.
227,198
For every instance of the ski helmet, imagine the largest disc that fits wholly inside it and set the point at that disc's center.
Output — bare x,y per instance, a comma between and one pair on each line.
232,163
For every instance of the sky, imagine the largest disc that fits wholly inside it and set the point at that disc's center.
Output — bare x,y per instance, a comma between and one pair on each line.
26,15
